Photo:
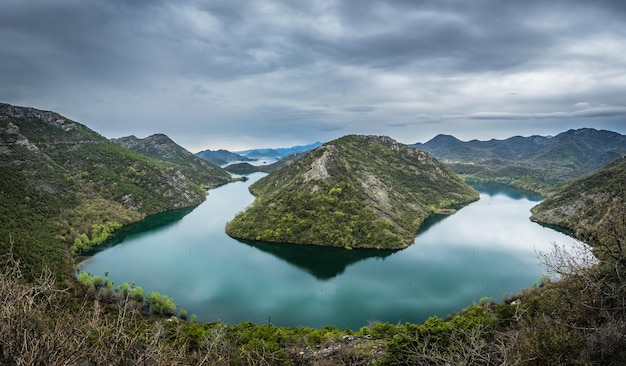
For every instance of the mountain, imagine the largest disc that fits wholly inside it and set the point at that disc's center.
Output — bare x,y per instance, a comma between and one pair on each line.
533,161
589,206
278,153
221,157
353,192
163,149
62,181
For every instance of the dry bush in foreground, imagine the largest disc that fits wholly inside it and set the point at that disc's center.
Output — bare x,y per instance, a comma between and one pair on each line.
41,324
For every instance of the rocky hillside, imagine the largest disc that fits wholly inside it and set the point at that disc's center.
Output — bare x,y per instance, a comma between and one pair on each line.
589,206
160,147
533,161
353,192
60,180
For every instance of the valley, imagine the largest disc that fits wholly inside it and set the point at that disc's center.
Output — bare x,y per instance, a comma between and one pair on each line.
486,249
68,194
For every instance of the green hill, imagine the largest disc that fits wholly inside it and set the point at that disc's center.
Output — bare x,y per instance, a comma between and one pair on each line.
588,206
162,148
62,181
353,192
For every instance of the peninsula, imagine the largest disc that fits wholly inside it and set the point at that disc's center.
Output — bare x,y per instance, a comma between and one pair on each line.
354,192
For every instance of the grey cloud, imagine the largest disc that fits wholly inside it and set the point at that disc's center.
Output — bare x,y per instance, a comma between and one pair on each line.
360,108
310,69
603,111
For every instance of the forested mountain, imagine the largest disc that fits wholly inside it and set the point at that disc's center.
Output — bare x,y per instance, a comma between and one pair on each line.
356,191
162,148
596,203
62,181
531,161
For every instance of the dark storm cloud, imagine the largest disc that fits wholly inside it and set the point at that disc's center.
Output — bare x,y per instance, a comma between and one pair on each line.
223,73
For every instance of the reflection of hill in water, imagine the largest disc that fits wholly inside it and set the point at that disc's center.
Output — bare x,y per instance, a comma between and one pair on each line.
154,222
322,262
493,189
430,222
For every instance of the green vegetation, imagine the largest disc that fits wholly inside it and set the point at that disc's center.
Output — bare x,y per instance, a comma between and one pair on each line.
588,205
161,148
99,234
153,303
556,324
65,186
532,163
354,192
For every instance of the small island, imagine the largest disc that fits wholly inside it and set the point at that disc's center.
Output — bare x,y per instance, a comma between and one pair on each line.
354,192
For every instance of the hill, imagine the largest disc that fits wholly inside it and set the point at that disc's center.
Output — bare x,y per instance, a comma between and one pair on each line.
162,148
62,181
529,162
590,205
353,192
221,157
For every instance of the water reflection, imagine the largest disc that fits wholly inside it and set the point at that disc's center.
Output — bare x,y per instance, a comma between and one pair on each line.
494,189
153,224
327,262
485,249
322,262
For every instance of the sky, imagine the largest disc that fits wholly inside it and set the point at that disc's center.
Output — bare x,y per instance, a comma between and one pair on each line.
237,74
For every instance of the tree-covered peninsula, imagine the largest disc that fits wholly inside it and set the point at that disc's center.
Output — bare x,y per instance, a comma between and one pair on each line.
353,192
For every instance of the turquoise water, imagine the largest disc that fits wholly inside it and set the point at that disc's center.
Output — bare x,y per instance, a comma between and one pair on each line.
487,248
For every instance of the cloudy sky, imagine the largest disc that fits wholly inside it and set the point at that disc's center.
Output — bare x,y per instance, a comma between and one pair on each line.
241,74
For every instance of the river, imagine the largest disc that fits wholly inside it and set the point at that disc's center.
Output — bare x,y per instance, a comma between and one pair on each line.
486,249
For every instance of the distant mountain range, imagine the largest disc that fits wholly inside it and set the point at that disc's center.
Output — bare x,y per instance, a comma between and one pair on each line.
277,153
547,160
223,157
534,163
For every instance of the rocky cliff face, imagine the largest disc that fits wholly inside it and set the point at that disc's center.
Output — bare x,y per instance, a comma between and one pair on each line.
356,191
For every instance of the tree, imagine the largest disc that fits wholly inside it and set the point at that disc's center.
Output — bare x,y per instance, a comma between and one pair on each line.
137,293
